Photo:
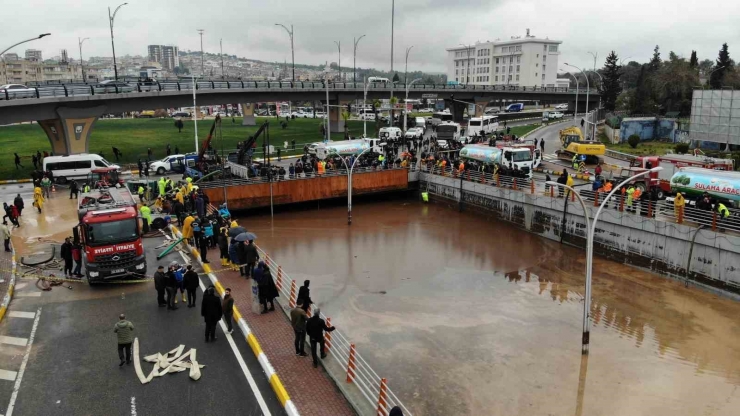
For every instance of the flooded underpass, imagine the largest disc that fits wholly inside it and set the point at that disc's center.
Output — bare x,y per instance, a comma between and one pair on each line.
467,316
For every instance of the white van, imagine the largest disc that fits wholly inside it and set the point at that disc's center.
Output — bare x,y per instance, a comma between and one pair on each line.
366,114
390,134
487,124
74,167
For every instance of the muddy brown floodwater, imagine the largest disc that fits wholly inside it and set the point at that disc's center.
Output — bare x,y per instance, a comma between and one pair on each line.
467,316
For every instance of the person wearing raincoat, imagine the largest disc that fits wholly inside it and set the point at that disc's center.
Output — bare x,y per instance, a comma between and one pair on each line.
162,184
678,204
189,184
630,194
38,198
223,211
187,227
146,215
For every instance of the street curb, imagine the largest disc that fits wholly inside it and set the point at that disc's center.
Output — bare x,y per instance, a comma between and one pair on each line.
11,287
542,127
9,181
274,380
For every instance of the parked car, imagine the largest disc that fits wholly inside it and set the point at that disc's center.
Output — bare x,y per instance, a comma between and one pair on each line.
11,91
112,86
555,115
180,114
414,133
170,163
425,110
490,111
420,122
561,107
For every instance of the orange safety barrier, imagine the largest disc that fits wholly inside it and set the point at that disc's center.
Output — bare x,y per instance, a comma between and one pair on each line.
596,199
621,202
483,177
532,186
383,397
267,259
279,283
327,335
650,209
468,174
552,191
714,221
292,293
513,181
572,196
498,180
680,215
351,366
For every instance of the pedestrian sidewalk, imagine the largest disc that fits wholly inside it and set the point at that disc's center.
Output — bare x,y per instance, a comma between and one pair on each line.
7,281
311,389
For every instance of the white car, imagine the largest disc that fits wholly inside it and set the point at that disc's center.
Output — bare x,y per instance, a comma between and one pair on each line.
414,133
561,107
555,115
425,110
167,164
11,91
320,114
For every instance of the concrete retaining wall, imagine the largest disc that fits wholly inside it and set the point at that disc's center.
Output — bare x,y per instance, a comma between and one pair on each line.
658,246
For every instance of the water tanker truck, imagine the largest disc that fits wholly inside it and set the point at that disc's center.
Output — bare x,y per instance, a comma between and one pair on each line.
693,182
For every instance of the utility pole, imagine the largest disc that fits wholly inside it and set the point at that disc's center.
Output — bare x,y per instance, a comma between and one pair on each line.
406,70
202,71
13,46
82,66
354,60
111,18
221,45
393,17
339,47
292,51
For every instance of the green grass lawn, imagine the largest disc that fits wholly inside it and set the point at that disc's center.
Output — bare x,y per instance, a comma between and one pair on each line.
522,130
134,136
644,148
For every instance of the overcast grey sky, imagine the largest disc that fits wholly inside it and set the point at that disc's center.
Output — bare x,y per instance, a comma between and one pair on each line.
630,27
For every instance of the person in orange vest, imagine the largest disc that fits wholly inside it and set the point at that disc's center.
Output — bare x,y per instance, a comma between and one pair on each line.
605,189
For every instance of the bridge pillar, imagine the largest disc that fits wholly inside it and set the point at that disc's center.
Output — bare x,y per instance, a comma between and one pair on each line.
70,133
480,105
336,122
457,110
248,112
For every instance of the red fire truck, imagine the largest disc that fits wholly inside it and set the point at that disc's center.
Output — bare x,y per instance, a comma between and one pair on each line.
670,165
110,235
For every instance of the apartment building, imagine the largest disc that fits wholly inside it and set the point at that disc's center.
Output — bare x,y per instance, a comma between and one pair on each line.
520,61
165,55
22,71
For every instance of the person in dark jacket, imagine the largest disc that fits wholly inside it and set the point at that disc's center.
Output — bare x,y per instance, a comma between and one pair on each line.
298,320
251,256
18,202
190,281
241,252
170,285
304,295
73,190
160,280
227,305
267,289
210,310
66,253
396,411
200,206
223,246
315,328
179,210
234,254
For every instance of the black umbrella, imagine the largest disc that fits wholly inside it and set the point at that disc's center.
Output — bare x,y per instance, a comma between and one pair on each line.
245,237
233,232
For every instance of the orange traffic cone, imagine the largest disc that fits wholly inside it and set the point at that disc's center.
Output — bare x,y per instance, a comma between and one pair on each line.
53,188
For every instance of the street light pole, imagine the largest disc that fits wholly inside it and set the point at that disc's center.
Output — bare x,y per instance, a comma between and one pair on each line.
405,105
113,46
202,71
292,51
349,180
364,106
195,114
406,69
393,21
354,60
221,46
575,110
339,48
82,66
591,231
599,107
588,88
14,45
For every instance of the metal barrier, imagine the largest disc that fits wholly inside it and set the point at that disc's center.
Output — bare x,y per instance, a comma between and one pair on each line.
358,372
525,184
620,155
78,88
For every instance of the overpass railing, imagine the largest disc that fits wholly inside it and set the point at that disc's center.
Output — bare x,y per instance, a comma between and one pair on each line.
662,210
78,88
356,370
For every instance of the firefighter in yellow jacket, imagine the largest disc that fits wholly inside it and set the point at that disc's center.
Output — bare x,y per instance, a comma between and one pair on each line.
38,198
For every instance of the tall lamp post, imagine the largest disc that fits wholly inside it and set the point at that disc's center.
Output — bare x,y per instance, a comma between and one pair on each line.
221,46
339,48
591,231
467,64
16,44
588,88
364,106
350,169
593,135
405,105
202,67
111,18
292,51
406,69
82,65
354,60
575,110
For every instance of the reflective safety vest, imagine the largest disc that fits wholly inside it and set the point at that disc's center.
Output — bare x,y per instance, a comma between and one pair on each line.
722,210
140,191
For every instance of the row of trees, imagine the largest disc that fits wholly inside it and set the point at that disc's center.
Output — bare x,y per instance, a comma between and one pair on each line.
660,86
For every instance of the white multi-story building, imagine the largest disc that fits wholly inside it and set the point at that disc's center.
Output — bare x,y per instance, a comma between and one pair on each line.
523,61
166,55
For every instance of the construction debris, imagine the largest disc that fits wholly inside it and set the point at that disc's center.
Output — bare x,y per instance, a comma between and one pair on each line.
171,362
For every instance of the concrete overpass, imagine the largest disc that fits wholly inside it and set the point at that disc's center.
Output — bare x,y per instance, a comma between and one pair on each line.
67,112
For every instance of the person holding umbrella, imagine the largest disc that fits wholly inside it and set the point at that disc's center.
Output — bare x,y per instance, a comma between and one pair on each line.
247,253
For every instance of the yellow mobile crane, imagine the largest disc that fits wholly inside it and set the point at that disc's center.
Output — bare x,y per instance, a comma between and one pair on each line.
573,143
